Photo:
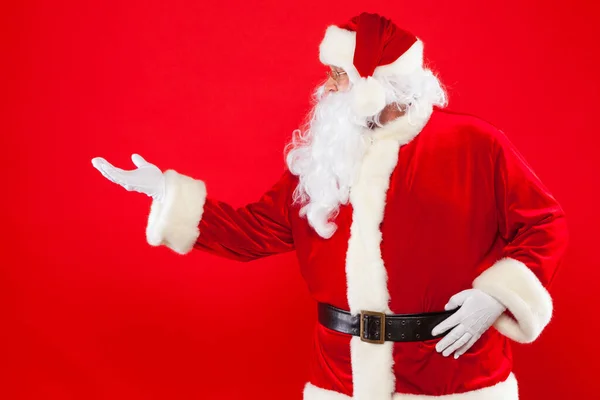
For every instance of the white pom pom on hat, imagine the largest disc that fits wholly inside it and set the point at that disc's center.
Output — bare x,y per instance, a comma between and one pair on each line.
368,97
369,47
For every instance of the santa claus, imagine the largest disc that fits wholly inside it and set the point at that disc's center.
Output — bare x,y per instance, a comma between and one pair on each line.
423,235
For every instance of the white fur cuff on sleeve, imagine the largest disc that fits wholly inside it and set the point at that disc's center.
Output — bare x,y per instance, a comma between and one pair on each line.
513,284
174,221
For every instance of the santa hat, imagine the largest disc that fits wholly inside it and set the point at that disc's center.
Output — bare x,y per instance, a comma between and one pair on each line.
369,47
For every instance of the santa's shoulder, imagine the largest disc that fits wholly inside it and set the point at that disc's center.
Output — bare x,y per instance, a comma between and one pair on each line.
459,128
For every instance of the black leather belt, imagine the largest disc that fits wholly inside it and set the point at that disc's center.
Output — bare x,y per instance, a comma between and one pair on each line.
375,327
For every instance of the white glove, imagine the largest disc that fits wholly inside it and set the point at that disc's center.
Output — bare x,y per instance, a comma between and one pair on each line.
479,311
147,178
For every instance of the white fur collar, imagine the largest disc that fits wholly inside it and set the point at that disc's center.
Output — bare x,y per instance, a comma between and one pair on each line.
404,128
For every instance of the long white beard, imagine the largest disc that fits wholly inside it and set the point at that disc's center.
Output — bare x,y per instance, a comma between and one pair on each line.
326,158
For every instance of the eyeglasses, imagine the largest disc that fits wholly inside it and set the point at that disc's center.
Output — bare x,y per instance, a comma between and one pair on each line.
335,75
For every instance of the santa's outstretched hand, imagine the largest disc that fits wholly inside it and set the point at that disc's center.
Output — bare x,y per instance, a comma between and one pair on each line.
477,313
147,178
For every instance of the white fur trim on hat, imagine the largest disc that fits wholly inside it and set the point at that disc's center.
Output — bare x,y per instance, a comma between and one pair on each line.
513,284
174,221
407,63
337,49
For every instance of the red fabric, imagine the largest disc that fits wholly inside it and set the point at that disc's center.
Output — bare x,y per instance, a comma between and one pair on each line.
535,234
460,198
378,42
256,230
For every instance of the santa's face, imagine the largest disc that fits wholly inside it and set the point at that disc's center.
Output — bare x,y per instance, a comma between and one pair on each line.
337,80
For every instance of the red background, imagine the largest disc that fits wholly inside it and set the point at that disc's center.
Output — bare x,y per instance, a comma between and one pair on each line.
214,90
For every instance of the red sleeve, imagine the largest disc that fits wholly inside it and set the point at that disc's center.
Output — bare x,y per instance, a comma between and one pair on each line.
258,229
533,227
531,221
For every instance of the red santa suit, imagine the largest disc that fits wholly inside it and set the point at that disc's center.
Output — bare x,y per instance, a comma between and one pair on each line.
443,202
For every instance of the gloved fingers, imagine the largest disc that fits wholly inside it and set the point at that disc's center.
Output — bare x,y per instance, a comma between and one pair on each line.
448,323
99,163
139,161
456,345
115,174
110,178
482,322
458,299
463,349
450,338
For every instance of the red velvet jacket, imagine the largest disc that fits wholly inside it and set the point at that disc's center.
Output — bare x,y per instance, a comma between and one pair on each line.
441,205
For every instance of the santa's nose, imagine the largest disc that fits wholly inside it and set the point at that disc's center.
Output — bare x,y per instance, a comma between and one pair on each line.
330,86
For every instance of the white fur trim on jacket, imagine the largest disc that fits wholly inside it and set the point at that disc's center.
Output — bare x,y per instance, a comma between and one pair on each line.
366,275
513,284
507,390
372,373
174,221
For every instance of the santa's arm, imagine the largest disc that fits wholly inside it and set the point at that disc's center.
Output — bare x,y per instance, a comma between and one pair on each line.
533,227
188,218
